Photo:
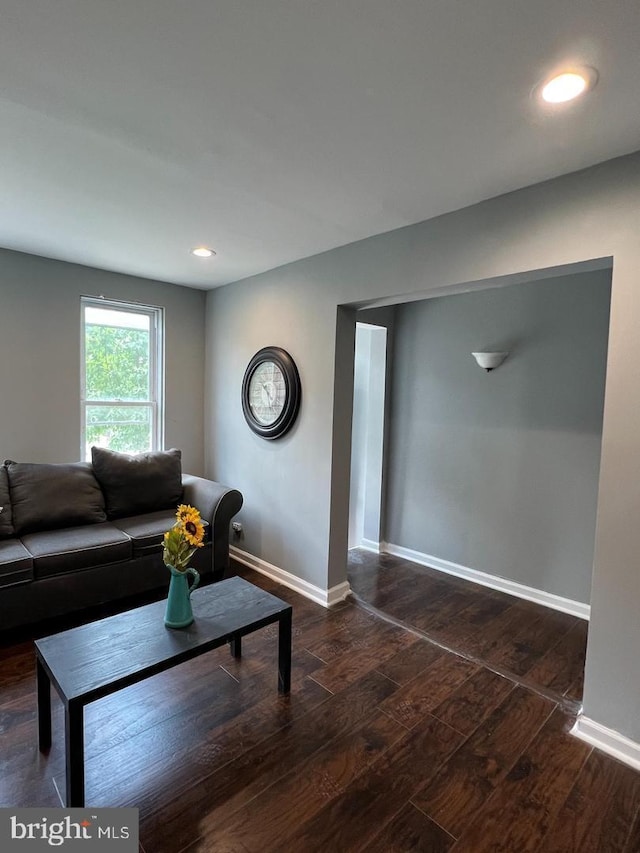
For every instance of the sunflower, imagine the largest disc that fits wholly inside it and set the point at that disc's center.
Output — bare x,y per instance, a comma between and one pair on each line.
193,530
185,513
186,535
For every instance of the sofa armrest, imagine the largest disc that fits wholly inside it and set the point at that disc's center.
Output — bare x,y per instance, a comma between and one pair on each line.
217,504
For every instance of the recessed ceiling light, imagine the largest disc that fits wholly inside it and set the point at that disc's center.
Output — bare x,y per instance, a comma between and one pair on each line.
568,85
202,252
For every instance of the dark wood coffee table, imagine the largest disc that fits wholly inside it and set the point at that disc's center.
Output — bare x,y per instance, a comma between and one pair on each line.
94,660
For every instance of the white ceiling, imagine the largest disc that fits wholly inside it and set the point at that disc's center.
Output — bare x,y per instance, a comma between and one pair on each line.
132,130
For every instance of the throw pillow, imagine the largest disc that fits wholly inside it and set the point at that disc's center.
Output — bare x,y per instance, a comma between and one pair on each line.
135,484
6,524
46,496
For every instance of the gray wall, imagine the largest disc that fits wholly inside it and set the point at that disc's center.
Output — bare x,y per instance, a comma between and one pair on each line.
297,490
499,471
284,482
40,356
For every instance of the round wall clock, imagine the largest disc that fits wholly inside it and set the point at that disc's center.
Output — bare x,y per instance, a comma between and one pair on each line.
271,392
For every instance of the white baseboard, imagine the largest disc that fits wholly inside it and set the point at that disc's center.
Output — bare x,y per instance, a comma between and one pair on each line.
548,599
608,740
326,597
370,545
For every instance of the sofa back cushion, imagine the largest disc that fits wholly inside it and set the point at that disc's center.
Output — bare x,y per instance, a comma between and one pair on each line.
136,484
6,523
46,496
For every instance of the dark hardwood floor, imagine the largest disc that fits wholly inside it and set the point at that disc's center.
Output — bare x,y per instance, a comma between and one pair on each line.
388,742
540,648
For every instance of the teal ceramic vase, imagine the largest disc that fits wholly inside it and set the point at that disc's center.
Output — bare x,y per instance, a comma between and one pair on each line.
178,613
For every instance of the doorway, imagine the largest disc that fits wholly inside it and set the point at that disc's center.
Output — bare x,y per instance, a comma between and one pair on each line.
490,489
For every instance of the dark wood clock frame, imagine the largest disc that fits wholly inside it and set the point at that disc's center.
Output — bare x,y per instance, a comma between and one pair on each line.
293,393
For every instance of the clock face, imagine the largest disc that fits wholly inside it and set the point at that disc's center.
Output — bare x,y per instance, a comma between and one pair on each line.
267,393
271,392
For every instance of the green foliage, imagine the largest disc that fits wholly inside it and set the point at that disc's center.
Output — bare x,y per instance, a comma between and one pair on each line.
117,363
176,551
127,430
117,369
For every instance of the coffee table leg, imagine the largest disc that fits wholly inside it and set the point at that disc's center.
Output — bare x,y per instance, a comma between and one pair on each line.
236,646
44,706
284,652
74,745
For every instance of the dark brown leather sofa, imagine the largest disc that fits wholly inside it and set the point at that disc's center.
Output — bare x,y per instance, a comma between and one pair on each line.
82,534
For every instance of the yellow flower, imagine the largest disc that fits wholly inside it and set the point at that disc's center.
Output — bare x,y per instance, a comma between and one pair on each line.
185,512
193,530
190,525
186,535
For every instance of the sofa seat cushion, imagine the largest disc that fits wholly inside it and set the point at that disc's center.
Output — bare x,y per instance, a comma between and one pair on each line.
56,552
147,531
16,563
134,484
46,496
6,525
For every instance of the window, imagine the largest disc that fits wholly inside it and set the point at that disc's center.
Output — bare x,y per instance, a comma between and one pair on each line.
121,376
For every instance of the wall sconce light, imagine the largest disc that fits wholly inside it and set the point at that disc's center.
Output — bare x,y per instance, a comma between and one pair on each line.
489,360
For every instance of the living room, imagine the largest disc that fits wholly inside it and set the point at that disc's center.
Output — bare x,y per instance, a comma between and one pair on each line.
578,215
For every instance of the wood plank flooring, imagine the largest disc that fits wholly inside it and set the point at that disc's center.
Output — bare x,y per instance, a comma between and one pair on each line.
388,742
526,642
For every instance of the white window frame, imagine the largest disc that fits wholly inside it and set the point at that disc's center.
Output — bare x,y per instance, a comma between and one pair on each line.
156,368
